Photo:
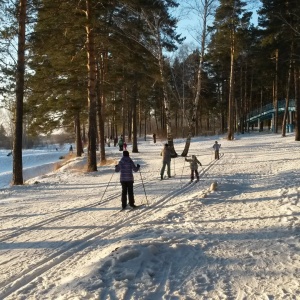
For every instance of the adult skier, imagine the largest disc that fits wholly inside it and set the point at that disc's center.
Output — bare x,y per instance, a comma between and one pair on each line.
166,161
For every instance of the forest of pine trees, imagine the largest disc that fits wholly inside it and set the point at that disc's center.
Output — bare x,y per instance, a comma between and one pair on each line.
111,68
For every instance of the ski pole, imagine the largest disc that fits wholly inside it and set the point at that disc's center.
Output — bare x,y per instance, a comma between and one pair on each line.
144,187
107,186
182,169
174,168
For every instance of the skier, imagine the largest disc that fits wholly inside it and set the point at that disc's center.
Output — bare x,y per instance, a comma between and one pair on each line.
124,146
166,160
194,166
126,166
217,147
120,144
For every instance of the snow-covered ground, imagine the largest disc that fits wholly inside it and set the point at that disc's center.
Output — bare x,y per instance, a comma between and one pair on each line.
32,162
63,236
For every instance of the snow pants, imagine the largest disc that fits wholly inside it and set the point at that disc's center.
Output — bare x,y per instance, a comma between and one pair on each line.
217,156
196,173
162,171
127,188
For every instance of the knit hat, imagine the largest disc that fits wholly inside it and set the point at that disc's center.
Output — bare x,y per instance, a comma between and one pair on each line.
125,153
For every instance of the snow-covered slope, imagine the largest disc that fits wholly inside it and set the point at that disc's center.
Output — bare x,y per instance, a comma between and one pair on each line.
63,235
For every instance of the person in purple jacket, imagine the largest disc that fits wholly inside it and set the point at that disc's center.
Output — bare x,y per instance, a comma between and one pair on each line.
126,166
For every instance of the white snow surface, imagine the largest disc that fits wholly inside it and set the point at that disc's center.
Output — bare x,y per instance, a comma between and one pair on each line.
63,235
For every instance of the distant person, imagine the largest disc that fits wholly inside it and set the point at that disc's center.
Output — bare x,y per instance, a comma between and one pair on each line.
154,138
124,146
120,143
166,161
115,141
194,162
108,141
71,149
126,166
217,147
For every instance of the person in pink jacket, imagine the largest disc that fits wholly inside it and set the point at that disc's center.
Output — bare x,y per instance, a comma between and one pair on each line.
126,167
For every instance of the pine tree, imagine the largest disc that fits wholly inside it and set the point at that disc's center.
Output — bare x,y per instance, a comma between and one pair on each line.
280,22
230,19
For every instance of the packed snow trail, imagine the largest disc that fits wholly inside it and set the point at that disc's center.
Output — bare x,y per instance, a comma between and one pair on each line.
63,239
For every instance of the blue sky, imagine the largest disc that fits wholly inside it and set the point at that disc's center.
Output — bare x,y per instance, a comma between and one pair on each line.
188,22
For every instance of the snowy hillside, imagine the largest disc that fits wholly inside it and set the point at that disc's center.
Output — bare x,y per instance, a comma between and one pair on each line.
63,235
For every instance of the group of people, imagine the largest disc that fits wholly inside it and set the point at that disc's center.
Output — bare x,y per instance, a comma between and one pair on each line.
126,167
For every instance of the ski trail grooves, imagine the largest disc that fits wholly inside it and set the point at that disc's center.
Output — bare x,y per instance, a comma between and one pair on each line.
68,249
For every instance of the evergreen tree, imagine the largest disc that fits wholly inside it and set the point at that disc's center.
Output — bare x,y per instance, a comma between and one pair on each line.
231,20
160,26
279,20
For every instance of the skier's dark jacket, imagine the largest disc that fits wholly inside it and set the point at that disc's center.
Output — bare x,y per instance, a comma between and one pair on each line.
166,154
126,166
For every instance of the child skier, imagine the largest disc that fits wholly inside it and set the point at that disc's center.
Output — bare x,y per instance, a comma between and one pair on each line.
126,167
120,143
217,147
194,166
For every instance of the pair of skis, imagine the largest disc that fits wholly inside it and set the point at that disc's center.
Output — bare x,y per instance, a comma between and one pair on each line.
192,181
132,208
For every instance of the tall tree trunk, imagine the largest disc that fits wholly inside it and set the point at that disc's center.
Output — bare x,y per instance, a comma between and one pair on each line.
17,142
101,102
297,104
134,117
275,100
79,149
230,134
125,100
166,98
91,66
192,122
286,110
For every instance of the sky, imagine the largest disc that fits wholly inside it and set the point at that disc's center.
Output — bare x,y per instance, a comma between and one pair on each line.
189,25
233,235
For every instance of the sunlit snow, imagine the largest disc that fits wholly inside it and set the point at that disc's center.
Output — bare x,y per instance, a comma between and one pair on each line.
63,235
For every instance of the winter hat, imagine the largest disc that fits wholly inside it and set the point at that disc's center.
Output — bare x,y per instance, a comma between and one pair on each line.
125,153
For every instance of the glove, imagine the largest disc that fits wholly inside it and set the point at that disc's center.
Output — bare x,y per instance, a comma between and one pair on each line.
138,165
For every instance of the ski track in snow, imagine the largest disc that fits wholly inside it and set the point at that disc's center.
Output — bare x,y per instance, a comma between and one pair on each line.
69,249
190,243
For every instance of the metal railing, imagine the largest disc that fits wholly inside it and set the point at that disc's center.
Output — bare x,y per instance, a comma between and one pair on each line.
268,110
